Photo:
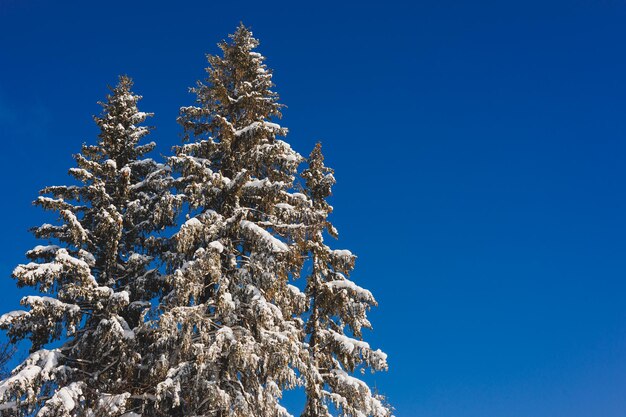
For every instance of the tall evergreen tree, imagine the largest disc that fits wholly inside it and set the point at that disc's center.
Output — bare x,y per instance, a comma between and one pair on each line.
337,315
230,331
97,275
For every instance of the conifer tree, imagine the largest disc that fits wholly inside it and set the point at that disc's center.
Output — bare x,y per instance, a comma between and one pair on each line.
98,275
337,315
231,338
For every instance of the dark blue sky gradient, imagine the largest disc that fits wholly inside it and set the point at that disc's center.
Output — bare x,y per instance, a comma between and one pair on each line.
479,149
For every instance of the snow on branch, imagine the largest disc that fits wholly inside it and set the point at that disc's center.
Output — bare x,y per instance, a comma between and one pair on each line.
345,284
257,232
26,381
63,402
269,127
354,396
42,251
76,229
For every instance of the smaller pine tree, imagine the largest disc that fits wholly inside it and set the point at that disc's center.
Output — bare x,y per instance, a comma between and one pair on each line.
96,275
338,310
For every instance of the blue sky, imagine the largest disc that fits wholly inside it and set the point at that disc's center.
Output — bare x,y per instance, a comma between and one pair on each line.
479,149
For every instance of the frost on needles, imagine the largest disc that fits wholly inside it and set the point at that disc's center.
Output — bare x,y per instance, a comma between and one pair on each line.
243,302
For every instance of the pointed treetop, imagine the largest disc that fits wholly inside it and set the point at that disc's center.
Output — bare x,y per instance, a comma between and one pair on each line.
233,119
119,133
319,178
239,83
243,38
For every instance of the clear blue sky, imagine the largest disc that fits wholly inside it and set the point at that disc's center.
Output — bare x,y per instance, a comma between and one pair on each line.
479,149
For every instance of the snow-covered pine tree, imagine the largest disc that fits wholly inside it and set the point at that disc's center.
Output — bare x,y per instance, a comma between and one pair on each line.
98,276
337,315
231,338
